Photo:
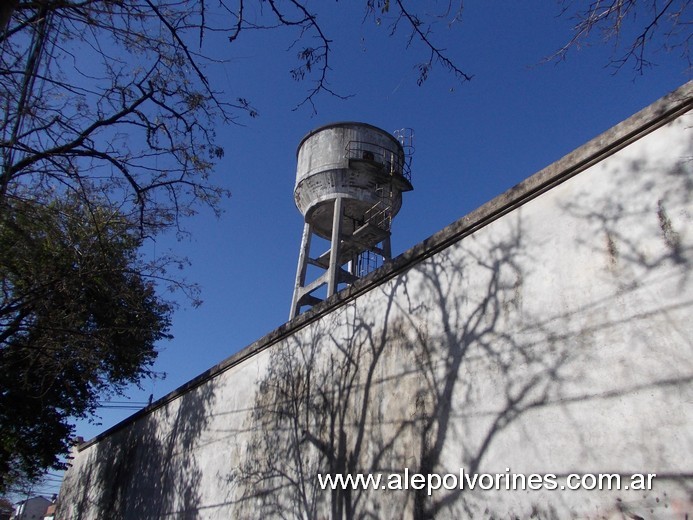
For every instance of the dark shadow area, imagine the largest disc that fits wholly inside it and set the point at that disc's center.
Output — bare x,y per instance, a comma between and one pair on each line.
148,469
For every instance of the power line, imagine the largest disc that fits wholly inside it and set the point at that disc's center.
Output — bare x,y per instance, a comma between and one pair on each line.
122,405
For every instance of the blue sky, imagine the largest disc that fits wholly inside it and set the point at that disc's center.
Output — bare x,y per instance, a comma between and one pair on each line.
473,141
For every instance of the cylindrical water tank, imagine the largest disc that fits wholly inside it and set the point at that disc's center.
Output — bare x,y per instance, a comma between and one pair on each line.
361,163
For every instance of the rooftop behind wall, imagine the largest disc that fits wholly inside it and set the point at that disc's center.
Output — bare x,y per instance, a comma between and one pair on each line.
546,332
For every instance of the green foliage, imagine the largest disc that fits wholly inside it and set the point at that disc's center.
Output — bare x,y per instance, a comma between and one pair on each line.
79,317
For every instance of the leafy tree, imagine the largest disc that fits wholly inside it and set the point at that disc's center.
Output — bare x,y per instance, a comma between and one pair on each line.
78,317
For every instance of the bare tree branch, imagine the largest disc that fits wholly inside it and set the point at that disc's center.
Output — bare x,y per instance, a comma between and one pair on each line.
630,26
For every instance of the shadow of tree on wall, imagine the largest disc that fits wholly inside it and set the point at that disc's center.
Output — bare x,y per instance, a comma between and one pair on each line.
148,469
313,414
392,380
648,206
475,334
373,390
641,233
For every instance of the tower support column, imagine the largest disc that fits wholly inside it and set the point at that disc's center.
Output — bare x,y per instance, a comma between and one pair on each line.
350,178
333,269
300,282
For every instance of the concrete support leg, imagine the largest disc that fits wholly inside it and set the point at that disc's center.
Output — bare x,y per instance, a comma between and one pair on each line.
333,271
301,270
387,249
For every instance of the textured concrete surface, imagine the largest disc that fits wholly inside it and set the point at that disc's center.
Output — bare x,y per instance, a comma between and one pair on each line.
330,164
548,332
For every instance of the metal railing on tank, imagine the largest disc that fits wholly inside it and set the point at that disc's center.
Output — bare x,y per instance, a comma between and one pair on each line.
390,160
380,215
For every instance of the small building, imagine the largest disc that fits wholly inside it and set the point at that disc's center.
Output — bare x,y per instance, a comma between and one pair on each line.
33,508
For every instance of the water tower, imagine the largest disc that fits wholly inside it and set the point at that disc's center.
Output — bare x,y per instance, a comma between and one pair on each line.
349,183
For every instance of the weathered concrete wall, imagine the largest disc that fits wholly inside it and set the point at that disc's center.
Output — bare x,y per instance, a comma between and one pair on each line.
550,331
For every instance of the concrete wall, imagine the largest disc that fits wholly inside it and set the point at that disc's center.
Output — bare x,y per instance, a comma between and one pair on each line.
550,331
